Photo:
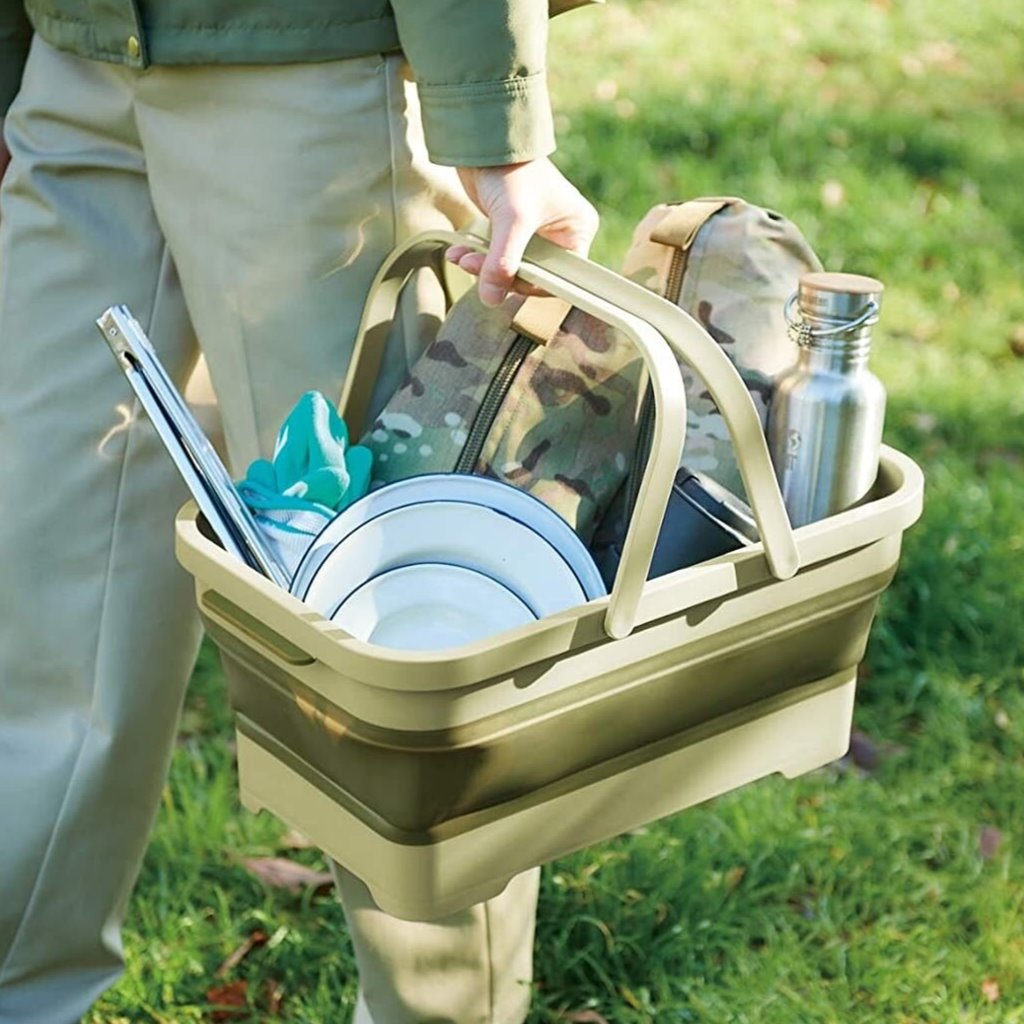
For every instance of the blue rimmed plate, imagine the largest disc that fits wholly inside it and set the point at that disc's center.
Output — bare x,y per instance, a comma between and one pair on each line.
452,533
473,490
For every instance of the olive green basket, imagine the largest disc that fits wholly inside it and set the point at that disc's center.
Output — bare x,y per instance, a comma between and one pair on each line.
436,776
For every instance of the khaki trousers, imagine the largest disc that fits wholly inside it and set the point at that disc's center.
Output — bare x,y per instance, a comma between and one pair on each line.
241,213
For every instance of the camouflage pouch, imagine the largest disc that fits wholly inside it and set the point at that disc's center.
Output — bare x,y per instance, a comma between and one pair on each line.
731,266
533,393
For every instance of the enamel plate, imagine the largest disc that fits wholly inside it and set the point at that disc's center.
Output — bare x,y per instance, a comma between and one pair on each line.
473,490
453,533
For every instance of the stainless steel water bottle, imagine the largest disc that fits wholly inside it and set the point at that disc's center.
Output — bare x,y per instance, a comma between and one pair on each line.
826,415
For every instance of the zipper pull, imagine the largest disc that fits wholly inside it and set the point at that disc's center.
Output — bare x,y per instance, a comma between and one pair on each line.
540,317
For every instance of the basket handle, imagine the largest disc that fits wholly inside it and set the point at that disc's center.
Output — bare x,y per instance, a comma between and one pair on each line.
650,322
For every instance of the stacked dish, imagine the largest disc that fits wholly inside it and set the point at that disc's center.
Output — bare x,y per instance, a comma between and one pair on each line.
441,560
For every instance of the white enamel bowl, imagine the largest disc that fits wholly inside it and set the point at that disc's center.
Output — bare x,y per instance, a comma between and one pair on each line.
430,606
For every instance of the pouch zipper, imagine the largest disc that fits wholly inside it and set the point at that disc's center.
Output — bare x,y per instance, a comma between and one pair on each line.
642,451
645,428
497,392
676,272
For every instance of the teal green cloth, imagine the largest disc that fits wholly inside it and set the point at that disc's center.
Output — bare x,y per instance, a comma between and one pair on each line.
314,467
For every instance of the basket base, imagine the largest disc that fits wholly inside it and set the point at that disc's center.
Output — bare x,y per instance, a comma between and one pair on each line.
426,880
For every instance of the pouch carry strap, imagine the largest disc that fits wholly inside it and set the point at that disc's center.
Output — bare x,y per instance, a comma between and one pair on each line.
682,222
678,229
662,333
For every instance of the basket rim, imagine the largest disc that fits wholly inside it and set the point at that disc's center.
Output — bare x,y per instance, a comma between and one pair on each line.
286,618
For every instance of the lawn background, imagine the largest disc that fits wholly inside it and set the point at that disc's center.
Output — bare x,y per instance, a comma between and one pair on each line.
891,133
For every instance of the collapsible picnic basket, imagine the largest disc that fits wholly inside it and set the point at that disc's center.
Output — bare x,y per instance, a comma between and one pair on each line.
436,776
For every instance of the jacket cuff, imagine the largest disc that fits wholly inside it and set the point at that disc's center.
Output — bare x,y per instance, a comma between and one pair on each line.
485,124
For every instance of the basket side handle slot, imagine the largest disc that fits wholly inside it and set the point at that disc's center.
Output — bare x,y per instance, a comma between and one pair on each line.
239,621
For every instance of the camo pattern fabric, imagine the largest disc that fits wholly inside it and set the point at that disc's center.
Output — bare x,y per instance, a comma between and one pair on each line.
742,266
565,432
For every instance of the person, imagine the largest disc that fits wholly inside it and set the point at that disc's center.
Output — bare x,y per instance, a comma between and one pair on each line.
235,175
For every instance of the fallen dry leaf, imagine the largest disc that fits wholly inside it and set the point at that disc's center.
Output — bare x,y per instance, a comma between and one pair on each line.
1017,341
813,800
942,54
228,1002
275,997
867,754
989,840
286,874
734,876
257,938
990,990
627,994
925,422
295,840
584,1017
804,905
1000,457
625,108
863,751
833,194
911,65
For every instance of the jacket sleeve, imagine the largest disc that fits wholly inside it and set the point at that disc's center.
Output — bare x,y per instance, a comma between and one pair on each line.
15,35
481,74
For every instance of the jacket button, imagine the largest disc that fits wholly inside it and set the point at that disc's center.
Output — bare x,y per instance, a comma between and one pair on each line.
134,47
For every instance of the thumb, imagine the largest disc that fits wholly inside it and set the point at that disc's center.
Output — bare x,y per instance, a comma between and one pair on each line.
510,234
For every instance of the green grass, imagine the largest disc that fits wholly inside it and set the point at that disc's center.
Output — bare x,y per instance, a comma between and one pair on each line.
893,133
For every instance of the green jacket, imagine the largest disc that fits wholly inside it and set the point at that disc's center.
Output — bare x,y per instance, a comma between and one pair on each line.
479,64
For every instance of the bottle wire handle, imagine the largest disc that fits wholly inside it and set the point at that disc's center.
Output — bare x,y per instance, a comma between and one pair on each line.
803,332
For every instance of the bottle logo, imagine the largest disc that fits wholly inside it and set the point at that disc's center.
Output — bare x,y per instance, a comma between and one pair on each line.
793,442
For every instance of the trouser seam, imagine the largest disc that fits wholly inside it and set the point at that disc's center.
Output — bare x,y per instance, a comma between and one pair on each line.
392,153
108,572
489,962
405,324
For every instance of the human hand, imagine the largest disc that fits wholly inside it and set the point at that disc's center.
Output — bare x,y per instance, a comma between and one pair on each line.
521,200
